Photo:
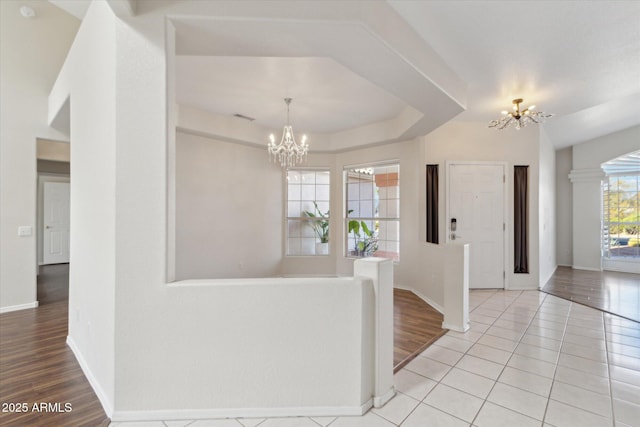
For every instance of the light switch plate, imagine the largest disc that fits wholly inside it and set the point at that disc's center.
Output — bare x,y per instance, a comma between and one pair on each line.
25,230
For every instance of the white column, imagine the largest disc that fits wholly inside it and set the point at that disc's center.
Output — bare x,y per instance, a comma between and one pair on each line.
380,271
456,287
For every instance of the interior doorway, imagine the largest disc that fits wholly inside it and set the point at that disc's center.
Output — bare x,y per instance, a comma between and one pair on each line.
476,215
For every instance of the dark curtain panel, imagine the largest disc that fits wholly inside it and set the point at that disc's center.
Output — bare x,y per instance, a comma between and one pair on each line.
521,219
432,203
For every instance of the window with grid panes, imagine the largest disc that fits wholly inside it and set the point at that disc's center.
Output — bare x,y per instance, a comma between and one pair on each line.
372,217
621,217
308,198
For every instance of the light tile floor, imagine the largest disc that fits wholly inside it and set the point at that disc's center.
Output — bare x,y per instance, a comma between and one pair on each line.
529,359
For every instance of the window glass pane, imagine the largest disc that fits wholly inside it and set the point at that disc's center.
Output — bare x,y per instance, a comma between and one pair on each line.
308,201
372,211
621,217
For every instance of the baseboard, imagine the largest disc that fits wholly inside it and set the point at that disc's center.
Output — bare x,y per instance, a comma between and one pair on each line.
11,308
204,414
438,307
455,328
102,396
380,401
577,267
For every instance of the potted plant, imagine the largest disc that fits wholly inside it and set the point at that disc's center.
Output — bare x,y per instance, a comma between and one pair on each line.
320,225
366,243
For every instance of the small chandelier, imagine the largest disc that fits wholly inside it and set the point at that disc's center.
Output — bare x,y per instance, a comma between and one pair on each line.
288,152
517,118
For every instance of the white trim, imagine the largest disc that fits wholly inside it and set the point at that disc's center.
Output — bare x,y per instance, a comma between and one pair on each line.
621,265
505,210
102,396
11,308
204,414
586,175
433,304
380,401
446,325
577,267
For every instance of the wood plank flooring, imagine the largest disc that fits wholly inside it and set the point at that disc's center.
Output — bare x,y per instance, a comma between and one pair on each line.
609,291
36,366
416,326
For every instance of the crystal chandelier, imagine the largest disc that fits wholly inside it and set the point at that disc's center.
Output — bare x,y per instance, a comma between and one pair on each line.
288,153
517,118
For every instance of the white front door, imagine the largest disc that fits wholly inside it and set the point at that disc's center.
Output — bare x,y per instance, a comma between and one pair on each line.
56,223
476,207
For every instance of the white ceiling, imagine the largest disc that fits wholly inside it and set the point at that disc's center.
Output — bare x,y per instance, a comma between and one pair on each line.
347,64
567,57
327,97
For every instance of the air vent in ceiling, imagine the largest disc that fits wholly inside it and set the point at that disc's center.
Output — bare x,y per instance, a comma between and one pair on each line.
242,116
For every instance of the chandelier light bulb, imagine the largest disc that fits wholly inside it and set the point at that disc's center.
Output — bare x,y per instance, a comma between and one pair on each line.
518,118
288,153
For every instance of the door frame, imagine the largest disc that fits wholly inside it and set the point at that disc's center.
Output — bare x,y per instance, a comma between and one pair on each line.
505,208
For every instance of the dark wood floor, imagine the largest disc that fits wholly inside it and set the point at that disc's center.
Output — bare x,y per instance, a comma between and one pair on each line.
416,326
609,291
37,367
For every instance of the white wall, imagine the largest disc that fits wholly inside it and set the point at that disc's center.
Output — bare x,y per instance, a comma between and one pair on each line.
31,53
547,209
89,72
473,141
229,207
586,177
564,207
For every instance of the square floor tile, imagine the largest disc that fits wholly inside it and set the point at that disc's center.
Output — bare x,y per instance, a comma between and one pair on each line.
143,424
627,350
591,333
367,420
323,421
623,339
625,375
526,381
479,366
480,318
582,379
524,402
624,391
397,409
426,415
585,341
442,354
545,332
593,353
534,366
626,412
548,343
184,423
580,363
509,334
470,335
499,343
428,368
548,324
536,352
492,415
562,415
412,384
468,382
489,353
624,361
581,398
453,343
454,402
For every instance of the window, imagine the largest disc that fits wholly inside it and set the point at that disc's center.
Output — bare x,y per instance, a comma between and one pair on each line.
308,212
621,217
372,219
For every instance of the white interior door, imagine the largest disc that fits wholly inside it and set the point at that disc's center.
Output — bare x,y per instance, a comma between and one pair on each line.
476,206
56,223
